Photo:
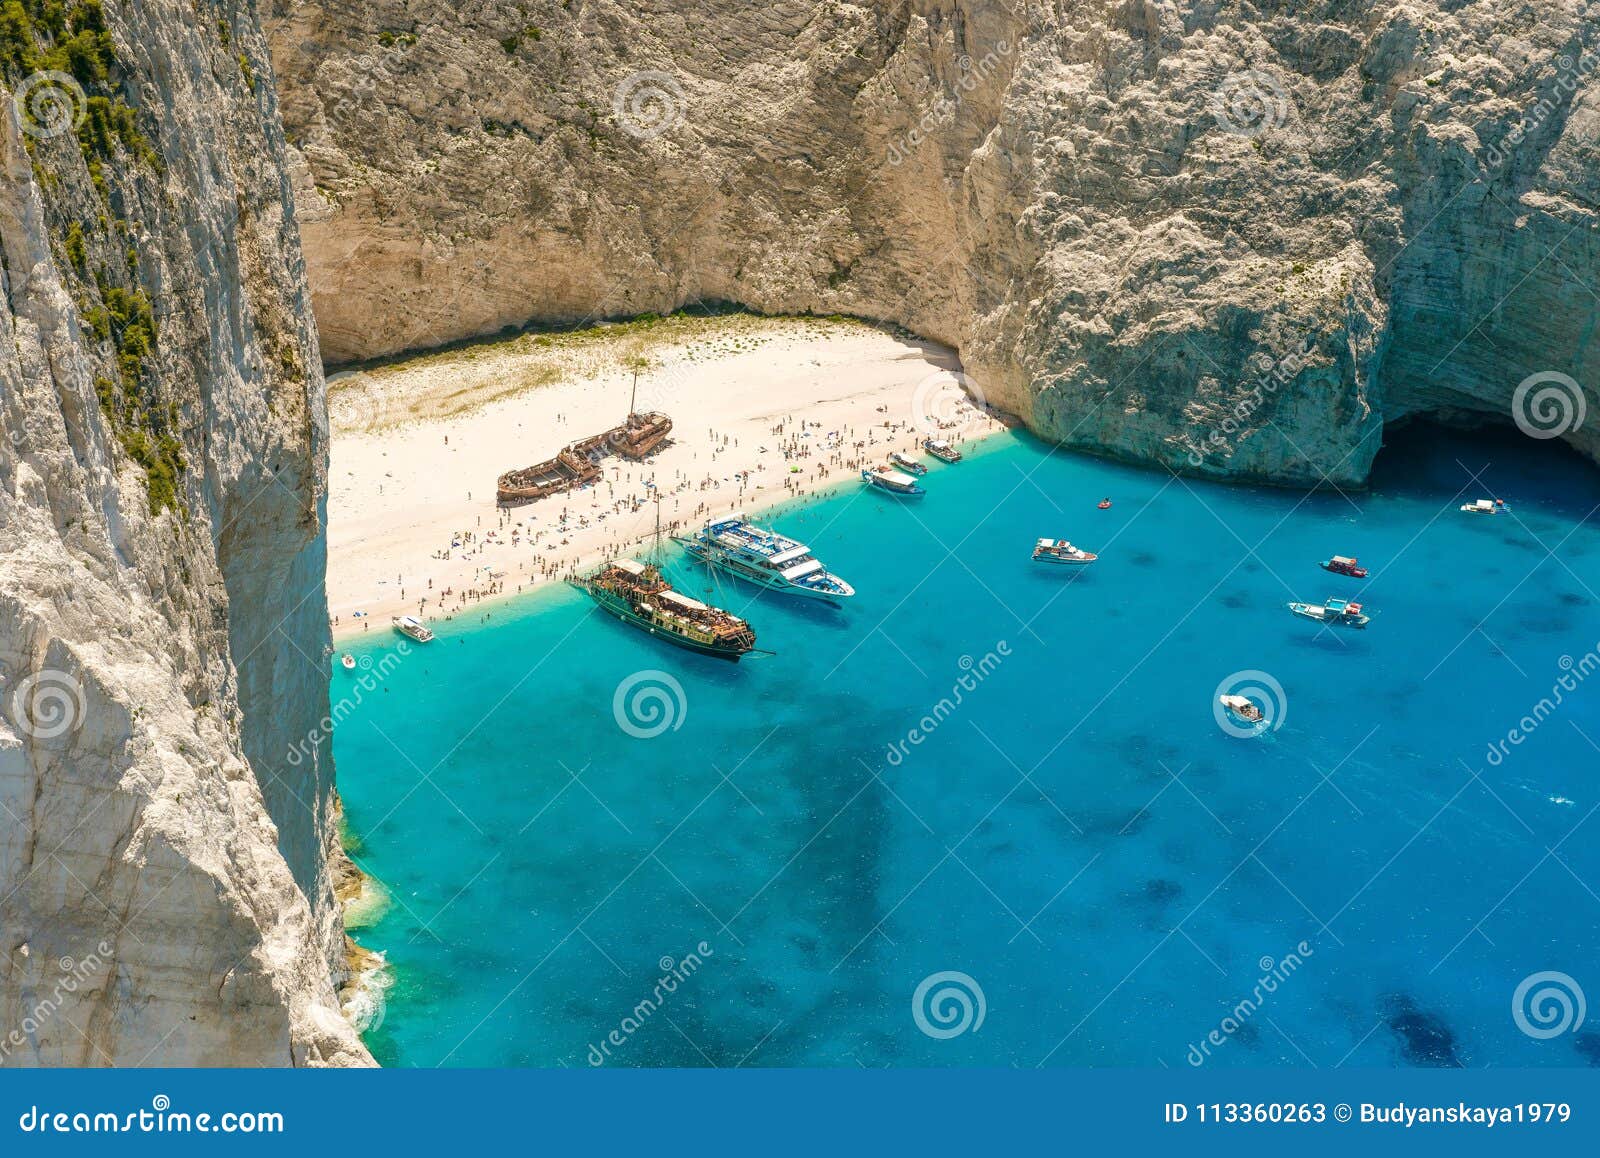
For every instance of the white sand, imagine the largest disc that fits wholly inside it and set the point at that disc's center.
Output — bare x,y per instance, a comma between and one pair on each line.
412,516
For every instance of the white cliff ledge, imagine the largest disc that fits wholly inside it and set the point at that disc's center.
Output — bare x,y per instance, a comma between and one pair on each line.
165,895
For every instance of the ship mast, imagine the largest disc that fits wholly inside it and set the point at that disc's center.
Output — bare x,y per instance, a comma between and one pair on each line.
634,397
655,548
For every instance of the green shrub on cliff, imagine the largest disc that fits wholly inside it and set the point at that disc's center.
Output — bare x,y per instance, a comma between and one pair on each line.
71,37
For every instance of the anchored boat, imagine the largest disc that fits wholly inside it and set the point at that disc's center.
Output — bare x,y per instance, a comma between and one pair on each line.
765,558
906,463
1242,708
1334,612
1061,551
1344,565
411,626
886,478
941,450
1486,507
639,595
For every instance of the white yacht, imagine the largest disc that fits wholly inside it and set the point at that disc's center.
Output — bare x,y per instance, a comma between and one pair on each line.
1061,551
764,557
412,627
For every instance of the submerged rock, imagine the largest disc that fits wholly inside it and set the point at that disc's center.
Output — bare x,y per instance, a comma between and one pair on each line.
1423,1037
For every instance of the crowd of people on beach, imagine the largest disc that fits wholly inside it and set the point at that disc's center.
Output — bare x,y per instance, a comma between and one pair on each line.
537,541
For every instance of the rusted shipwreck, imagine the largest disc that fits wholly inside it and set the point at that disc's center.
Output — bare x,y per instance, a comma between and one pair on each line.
578,464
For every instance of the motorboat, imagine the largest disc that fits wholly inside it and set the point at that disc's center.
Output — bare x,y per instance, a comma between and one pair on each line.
412,627
1344,565
906,463
1061,551
886,478
1333,612
1242,708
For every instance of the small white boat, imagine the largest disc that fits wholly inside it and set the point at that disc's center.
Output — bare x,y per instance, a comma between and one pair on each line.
1242,709
1061,551
1486,507
906,463
412,627
348,661
941,450
886,478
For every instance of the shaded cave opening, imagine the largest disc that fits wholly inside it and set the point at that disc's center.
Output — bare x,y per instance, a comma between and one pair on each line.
1446,455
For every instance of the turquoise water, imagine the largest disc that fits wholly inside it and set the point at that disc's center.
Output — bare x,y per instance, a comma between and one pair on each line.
1078,835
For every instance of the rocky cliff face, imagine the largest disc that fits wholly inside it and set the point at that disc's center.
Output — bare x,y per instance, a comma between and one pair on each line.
1232,237
165,895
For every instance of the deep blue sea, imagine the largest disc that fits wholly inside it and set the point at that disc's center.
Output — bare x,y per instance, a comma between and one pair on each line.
771,879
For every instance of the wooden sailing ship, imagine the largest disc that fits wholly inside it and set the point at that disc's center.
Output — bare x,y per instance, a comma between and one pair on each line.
639,595
578,464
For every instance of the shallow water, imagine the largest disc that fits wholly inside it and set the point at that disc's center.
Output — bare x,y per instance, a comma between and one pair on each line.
1078,835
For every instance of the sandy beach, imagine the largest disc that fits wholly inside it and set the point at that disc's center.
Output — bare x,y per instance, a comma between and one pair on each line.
763,410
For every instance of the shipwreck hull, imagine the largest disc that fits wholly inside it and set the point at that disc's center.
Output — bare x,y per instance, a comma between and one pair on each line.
578,463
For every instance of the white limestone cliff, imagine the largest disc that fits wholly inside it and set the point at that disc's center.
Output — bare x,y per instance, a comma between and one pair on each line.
165,889
1234,237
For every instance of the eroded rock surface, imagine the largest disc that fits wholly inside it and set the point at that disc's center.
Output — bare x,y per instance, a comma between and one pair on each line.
1231,237
165,890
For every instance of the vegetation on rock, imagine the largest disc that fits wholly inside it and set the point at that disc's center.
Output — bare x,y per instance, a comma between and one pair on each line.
70,37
